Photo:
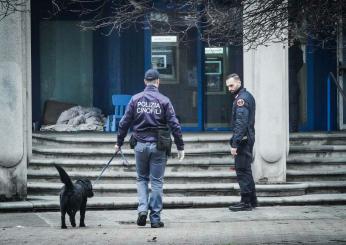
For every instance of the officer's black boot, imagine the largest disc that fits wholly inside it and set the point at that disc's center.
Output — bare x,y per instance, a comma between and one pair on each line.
253,199
244,205
239,203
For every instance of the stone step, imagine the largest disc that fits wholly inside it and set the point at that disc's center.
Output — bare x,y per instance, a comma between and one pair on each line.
205,189
107,140
96,139
295,151
223,163
318,138
51,203
317,151
124,174
100,189
91,153
316,175
210,189
115,177
83,158
308,164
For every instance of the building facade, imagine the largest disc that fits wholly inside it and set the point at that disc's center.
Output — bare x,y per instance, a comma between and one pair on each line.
51,59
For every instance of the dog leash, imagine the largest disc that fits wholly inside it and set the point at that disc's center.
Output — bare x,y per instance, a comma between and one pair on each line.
125,163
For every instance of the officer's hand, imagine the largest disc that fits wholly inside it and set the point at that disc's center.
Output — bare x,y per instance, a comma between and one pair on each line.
181,155
233,151
117,148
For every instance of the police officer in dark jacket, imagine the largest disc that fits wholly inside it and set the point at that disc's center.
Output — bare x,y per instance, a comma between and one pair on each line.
242,141
147,112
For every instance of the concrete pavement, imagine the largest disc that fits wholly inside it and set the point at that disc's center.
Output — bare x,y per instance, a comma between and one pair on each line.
51,203
264,225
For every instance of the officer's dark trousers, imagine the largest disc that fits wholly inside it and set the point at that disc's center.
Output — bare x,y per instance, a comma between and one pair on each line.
293,116
243,161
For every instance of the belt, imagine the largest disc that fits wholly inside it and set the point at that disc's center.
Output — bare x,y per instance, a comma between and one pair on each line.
146,133
140,135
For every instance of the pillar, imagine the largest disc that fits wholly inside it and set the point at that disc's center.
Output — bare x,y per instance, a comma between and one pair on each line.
15,104
266,77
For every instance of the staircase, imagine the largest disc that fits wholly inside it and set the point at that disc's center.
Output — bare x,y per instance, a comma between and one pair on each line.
318,159
316,171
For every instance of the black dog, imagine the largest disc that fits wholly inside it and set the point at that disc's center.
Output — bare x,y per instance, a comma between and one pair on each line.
73,197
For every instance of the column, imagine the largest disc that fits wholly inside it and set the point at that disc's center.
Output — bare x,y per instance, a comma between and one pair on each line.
266,77
15,104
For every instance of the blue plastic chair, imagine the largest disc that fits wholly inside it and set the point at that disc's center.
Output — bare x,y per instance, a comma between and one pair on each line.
119,102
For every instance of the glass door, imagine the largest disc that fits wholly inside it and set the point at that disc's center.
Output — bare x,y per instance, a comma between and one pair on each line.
193,76
176,60
219,63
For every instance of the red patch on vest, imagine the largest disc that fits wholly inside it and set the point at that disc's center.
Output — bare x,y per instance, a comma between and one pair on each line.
240,102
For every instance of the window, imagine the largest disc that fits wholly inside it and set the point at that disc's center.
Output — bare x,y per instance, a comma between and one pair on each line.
213,68
66,67
164,57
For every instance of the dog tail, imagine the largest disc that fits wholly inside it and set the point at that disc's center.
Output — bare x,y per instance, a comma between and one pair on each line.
64,177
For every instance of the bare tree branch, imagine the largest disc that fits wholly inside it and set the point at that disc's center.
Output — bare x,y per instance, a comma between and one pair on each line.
218,22
8,7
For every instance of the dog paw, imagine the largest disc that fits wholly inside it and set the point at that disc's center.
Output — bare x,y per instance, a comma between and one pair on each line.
63,227
82,225
73,224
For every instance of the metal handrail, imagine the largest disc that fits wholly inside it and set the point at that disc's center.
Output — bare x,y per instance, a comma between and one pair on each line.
337,85
340,90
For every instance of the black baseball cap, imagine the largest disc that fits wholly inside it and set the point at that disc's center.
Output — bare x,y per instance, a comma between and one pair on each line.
151,74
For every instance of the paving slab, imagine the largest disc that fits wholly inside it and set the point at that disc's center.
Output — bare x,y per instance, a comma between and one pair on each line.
264,225
46,203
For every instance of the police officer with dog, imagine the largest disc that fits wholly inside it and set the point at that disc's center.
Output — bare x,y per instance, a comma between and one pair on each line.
242,141
152,118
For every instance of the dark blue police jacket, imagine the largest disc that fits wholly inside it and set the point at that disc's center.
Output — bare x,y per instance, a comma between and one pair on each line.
243,118
146,112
